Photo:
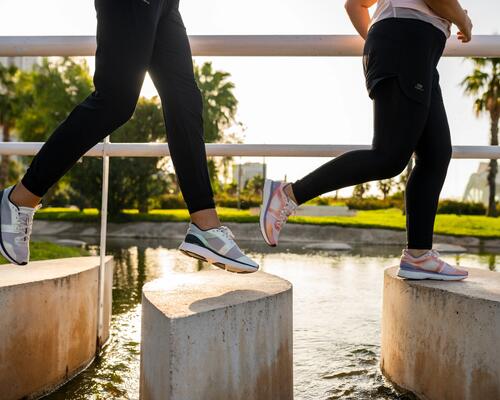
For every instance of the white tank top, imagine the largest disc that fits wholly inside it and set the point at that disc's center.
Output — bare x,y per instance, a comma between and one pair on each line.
414,9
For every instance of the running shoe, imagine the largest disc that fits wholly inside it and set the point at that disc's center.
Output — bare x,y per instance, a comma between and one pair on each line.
429,266
276,208
217,246
16,225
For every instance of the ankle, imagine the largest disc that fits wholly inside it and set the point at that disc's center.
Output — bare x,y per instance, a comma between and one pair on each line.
417,252
22,197
206,219
288,189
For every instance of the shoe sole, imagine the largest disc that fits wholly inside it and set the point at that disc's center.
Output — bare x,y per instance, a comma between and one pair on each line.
415,275
266,196
204,254
2,249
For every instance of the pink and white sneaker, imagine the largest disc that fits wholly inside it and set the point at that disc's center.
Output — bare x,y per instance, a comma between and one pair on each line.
429,266
276,208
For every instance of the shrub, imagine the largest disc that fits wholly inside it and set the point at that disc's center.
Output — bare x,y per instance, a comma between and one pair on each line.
247,201
372,203
172,202
461,208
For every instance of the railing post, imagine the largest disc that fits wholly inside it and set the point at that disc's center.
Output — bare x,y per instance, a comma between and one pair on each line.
102,247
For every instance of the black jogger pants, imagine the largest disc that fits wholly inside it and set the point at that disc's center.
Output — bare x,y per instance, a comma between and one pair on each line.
409,117
135,36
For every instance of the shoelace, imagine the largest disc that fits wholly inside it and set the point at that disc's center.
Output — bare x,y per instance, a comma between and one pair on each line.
285,212
25,222
226,232
432,252
435,253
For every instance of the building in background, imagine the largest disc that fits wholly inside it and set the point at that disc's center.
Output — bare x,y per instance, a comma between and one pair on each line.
23,63
242,173
477,189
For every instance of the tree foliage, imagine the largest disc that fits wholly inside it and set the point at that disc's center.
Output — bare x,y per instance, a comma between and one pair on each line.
9,112
484,85
360,190
48,94
385,186
219,102
134,182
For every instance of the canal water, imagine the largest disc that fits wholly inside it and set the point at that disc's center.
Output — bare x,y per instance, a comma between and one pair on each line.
337,304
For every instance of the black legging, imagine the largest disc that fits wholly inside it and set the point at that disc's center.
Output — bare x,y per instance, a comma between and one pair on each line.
135,36
402,126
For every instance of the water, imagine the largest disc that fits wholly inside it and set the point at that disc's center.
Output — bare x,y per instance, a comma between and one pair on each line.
337,303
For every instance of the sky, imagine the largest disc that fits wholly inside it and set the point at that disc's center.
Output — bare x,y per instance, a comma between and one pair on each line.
287,100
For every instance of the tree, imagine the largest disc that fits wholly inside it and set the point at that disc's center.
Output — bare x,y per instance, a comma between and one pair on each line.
46,96
484,84
219,111
9,110
50,92
360,190
53,89
219,102
385,186
255,185
134,182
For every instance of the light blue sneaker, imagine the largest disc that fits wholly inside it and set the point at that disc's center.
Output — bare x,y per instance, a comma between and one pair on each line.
16,224
217,246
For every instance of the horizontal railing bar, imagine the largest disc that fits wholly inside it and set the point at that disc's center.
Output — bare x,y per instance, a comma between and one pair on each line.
241,45
230,150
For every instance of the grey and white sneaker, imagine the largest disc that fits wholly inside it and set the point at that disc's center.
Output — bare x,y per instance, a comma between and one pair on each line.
16,224
217,246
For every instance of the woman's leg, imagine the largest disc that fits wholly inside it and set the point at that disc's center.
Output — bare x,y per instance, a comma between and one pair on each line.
433,154
172,72
125,39
398,124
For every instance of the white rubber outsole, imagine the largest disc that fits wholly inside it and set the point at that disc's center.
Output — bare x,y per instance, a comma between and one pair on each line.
422,275
204,254
266,194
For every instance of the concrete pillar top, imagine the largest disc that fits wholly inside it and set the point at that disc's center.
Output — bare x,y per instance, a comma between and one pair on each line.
37,271
481,284
440,339
183,295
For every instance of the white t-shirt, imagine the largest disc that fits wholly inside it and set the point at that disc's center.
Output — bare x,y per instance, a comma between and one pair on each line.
413,9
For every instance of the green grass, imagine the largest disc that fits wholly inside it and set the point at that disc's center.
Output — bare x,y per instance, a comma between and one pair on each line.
478,226
49,251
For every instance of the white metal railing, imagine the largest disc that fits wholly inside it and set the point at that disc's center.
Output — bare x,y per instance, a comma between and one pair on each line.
255,46
243,150
241,45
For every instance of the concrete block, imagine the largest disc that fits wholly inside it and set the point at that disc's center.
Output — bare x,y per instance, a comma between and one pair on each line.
441,340
213,335
48,323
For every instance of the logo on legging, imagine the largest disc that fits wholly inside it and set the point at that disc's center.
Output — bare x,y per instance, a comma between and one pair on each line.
419,87
147,2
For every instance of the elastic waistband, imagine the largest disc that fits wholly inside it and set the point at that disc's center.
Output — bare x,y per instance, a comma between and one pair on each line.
405,28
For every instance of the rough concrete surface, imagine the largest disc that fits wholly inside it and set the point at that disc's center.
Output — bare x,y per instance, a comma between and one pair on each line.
48,323
250,231
215,335
441,340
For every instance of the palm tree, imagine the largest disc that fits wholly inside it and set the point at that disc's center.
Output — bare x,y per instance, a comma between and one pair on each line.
7,114
484,85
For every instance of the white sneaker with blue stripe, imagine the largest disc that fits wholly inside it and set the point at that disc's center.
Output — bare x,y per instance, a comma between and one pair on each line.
217,246
16,225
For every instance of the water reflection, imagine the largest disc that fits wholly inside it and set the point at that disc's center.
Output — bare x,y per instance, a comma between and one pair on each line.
337,301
